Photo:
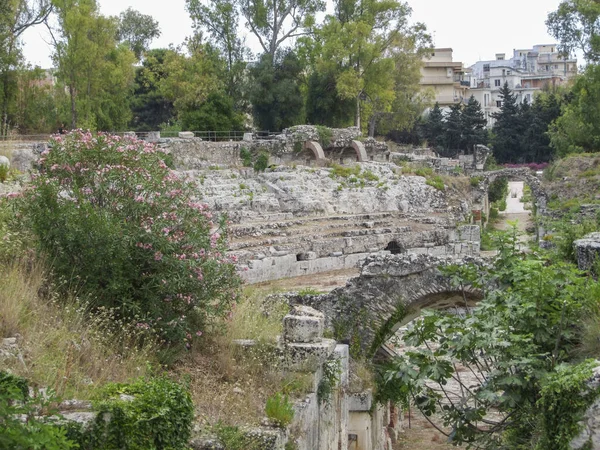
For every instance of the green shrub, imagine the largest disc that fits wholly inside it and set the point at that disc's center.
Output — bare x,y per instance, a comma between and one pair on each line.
493,213
246,157
33,432
474,181
498,190
279,410
344,172
4,170
147,414
233,438
436,182
325,135
424,172
124,228
501,204
262,162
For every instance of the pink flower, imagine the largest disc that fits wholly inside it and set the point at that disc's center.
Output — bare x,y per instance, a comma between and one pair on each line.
198,333
158,256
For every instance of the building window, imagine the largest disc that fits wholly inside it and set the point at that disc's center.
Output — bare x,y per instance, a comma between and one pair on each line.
528,98
486,67
499,103
556,66
496,83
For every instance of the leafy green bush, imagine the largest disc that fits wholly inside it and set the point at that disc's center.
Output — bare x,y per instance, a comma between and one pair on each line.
344,172
147,414
279,409
233,438
501,204
262,162
118,223
325,135
493,213
564,399
246,157
32,432
498,190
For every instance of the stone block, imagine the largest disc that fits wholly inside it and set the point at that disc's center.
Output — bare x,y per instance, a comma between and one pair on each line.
587,250
361,401
186,134
335,254
342,354
302,328
4,161
309,356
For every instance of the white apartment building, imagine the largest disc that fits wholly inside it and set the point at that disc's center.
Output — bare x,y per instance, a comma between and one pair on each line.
528,71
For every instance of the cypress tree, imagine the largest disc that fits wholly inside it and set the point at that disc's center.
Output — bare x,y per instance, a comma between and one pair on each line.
434,128
473,125
507,129
454,129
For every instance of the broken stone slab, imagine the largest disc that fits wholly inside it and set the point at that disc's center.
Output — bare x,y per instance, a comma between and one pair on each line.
186,134
4,161
587,250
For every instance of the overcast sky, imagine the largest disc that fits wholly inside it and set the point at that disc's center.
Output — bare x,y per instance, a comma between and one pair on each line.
475,29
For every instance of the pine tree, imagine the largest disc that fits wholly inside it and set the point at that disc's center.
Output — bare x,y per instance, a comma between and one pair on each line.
507,129
434,128
454,129
473,125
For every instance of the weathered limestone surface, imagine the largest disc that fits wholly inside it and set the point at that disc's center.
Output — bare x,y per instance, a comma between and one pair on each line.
588,250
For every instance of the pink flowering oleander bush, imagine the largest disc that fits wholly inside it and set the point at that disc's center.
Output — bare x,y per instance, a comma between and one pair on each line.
127,231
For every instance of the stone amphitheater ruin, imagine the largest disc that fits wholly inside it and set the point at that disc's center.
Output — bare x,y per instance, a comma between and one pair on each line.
302,216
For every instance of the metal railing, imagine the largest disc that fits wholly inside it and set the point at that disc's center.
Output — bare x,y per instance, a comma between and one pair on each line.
210,136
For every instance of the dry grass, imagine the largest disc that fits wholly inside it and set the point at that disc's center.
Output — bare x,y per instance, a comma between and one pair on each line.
60,346
421,436
231,384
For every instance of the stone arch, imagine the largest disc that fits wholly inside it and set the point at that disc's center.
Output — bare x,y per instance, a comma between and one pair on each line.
317,150
521,174
361,153
386,282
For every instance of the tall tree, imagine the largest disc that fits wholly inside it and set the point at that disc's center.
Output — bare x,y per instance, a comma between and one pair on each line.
507,128
137,30
220,18
358,42
191,80
97,73
149,106
323,103
576,24
535,140
274,22
454,129
433,128
473,125
578,128
16,16
276,98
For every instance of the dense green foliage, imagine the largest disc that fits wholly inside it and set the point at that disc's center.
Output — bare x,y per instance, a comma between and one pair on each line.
279,409
118,223
520,343
154,413
275,96
460,129
32,432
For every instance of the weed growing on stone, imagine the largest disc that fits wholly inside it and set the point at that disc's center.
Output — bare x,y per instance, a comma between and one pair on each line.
279,409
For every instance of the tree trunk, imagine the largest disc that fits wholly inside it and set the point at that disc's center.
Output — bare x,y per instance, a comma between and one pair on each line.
357,116
372,124
73,108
